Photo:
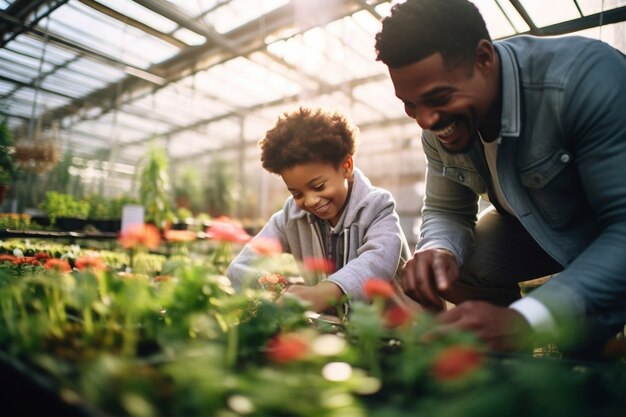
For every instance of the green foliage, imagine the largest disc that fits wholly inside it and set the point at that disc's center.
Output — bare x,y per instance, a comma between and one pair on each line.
8,168
188,189
104,208
57,205
220,189
135,345
154,186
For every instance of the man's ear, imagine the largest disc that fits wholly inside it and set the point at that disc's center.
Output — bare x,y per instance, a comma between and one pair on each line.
347,167
484,59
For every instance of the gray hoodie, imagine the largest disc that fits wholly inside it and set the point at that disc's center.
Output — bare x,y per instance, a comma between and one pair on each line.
370,241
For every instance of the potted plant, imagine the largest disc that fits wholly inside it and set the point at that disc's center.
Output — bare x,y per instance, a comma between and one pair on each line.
155,187
8,168
65,211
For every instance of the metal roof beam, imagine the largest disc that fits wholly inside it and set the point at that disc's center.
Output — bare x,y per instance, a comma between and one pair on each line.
134,23
586,22
197,58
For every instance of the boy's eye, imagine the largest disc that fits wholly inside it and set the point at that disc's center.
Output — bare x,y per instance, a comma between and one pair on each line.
319,187
296,195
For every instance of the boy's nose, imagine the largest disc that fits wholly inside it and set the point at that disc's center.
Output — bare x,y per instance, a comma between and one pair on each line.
311,201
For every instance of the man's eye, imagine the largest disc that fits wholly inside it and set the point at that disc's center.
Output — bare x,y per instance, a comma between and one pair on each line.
438,100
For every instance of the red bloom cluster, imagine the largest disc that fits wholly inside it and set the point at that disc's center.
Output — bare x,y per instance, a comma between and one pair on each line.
93,263
396,316
58,265
289,347
266,246
275,283
319,265
227,230
24,260
456,362
180,236
377,287
143,235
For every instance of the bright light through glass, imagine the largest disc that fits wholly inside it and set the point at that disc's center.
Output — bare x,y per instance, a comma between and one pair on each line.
189,37
337,371
328,345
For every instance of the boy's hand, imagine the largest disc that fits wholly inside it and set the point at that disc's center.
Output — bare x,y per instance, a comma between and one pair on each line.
321,296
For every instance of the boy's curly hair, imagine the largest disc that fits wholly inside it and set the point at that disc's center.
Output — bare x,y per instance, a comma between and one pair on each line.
307,135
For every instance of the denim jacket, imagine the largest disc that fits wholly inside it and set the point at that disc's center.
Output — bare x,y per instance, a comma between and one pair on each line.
561,166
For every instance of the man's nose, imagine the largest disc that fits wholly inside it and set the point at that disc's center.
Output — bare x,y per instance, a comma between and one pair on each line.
426,117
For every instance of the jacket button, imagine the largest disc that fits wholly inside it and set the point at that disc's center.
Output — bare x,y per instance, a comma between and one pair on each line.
565,158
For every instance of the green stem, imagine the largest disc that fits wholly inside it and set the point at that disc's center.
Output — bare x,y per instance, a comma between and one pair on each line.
231,347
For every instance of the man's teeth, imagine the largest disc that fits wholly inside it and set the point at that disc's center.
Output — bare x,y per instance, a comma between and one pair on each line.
447,131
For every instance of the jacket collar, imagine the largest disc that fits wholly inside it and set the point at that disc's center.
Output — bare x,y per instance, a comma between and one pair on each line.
511,94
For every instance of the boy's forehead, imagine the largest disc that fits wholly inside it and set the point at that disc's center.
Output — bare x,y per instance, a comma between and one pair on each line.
305,174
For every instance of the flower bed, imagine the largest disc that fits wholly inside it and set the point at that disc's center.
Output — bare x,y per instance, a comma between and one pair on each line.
149,343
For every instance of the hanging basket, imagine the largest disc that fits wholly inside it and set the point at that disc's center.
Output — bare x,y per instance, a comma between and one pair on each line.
38,154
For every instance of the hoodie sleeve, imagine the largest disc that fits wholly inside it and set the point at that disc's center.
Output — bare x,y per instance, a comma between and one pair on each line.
380,250
246,268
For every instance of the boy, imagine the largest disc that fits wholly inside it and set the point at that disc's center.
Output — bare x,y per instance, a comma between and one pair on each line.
333,212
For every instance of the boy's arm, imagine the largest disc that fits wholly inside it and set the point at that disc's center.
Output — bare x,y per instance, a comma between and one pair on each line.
379,255
242,271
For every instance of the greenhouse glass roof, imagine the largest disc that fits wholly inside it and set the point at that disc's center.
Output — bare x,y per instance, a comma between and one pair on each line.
104,78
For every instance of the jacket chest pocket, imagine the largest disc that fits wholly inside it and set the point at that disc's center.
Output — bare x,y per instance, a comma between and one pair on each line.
554,186
466,177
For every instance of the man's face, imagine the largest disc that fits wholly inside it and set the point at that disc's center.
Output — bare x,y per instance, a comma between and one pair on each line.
452,103
319,188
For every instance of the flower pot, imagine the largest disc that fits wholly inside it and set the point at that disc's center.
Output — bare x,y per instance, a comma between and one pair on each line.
3,190
70,224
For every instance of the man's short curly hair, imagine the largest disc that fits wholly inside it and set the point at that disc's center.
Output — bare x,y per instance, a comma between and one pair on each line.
307,135
417,29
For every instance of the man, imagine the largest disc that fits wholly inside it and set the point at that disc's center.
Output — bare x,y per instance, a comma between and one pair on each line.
537,127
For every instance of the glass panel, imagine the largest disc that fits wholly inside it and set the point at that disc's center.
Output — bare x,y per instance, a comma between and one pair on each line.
141,14
545,13
596,6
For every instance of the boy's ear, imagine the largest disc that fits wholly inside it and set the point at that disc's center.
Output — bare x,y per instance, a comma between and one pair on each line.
348,167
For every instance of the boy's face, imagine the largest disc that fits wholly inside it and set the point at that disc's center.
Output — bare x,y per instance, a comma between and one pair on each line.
319,188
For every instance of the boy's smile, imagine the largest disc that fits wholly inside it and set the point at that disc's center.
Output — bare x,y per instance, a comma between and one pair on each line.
319,188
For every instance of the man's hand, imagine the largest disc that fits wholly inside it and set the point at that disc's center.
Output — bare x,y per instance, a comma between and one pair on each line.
502,328
427,275
321,296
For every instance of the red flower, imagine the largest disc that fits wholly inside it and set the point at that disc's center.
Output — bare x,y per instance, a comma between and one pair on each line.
42,256
286,348
162,278
456,362
180,236
227,230
267,246
320,265
5,257
377,287
145,235
58,265
396,316
273,282
90,262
